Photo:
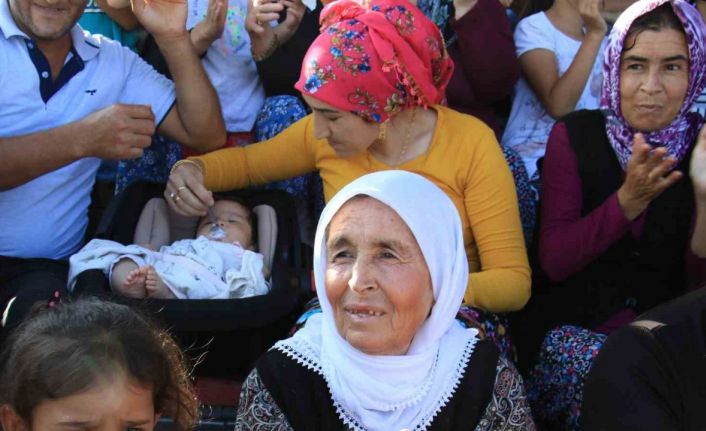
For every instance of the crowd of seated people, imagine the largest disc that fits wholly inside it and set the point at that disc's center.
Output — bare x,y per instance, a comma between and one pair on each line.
443,299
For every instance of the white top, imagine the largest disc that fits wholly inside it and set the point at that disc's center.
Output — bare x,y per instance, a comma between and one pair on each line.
230,67
529,124
47,217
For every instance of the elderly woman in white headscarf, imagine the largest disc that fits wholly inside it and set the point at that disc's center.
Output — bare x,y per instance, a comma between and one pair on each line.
386,353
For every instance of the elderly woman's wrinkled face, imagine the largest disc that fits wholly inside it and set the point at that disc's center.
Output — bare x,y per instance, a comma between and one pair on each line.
347,133
654,76
377,279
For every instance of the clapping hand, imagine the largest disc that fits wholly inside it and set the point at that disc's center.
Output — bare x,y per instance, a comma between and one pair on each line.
211,27
263,12
260,14
162,18
295,13
215,20
648,175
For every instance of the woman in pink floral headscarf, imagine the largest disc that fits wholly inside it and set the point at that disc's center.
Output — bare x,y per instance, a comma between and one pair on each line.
375,80
400,55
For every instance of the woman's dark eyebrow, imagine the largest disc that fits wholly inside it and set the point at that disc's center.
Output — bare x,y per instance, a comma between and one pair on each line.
76,424
635,58
91,423
664,60
675,58
137,422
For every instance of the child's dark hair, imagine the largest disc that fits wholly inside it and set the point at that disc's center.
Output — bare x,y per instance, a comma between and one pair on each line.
64,350
660,18
252,218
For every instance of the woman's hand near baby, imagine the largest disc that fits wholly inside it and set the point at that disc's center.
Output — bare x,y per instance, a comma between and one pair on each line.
649,173
211,27
185,192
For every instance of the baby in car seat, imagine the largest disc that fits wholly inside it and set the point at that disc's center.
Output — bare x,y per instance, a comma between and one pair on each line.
211,266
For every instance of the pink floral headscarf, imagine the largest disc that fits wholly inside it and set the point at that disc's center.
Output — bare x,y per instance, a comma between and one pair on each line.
376,60
678,136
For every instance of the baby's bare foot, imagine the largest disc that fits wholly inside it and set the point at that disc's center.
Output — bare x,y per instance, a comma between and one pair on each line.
156,288
135,286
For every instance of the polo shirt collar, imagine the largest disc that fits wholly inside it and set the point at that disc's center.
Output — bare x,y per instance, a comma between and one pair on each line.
85,45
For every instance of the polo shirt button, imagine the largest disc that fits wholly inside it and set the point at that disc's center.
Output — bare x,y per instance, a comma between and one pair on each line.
30,45
45,74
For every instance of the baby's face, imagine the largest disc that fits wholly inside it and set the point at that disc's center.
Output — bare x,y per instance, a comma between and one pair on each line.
234,219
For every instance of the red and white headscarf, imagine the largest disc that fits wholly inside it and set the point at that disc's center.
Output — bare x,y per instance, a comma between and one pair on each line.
376,60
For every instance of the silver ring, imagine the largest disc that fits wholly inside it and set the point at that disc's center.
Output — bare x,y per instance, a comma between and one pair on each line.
172,195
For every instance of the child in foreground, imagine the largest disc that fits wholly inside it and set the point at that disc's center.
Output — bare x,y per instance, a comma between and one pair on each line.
219,263
93,365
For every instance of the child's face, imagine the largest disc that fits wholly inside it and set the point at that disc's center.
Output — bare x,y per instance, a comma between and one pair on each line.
234,219
116,405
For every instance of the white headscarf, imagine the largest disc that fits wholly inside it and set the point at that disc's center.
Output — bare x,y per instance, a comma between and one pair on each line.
374,392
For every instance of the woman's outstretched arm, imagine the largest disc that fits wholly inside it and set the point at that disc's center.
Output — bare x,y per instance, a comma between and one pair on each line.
698,177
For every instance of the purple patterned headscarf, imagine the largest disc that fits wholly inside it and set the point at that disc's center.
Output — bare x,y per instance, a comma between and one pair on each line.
680,134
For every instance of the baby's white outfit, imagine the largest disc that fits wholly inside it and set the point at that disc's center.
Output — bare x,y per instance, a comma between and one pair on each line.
192,268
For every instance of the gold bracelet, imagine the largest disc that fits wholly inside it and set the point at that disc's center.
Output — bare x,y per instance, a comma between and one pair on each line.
185,161
268,52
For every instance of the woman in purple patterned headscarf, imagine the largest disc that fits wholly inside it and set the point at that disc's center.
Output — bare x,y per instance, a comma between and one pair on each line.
681,129
616,208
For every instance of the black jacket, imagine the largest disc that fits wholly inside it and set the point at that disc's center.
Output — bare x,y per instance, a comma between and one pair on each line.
651,374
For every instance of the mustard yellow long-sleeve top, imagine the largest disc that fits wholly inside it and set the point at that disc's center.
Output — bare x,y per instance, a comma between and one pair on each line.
464,160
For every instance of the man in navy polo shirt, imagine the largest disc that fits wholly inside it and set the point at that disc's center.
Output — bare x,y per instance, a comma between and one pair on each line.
68,100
